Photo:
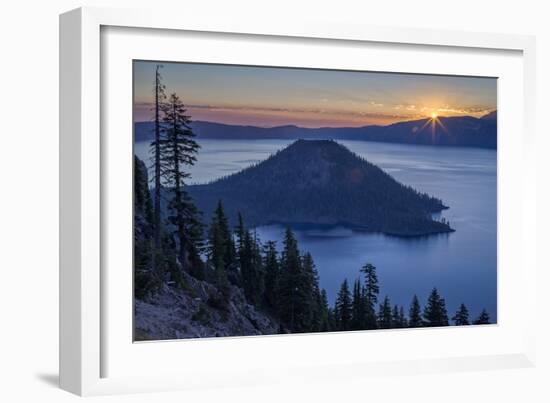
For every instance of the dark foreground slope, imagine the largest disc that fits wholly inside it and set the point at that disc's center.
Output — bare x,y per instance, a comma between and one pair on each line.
189,307
320,182
181,313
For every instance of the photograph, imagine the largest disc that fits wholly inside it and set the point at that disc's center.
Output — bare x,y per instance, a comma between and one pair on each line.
273,200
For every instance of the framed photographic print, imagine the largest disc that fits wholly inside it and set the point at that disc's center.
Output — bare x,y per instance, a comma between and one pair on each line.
235,200
285,200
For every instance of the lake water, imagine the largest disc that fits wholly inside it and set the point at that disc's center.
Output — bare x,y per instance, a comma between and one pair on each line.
462,265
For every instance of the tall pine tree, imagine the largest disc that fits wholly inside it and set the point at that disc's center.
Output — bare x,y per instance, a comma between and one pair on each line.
385,320
289,292
252,271
326,313
271,265
312,294
343,307
435,312
219,241
359,306
371,291
156,160
178,150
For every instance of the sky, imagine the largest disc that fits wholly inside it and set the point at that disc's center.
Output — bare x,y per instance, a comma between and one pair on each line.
275,96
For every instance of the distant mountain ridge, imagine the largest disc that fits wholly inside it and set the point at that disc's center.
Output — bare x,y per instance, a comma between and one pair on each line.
321,183
459,131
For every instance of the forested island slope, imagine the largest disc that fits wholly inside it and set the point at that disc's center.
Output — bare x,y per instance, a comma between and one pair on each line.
322,183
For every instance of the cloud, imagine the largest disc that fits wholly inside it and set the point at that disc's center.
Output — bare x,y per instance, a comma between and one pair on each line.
373,113
472,110
279,110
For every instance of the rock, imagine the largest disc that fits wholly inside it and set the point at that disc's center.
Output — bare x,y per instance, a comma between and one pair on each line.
174,313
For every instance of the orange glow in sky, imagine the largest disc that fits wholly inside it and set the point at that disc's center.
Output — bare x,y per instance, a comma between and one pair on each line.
268,97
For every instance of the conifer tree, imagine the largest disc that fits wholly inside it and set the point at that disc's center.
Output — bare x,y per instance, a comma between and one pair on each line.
239,233
142,196
178,150
435,312
415,313
402,319
483,318
289,292
156,156
343,307
332,321
358,304
253,274
326,313
246,263
144,275
229,245
461,317
385,320
271,264
219,241
371,291
215,253
247,255
312,294
395,316
398,318
221,248
243,252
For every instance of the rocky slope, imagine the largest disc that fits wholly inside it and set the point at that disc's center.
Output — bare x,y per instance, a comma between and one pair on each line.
193,311
194,308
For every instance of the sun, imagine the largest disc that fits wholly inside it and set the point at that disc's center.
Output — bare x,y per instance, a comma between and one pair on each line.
434,115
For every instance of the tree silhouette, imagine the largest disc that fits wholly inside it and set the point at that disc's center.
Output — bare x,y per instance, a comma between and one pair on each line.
358,306
461,317
385,314
415,313
272,273
326,313
312,293
402,318
144,275
371,290
178,149
435,312
219,240
398,317
343,307
483,318
289,282
156,157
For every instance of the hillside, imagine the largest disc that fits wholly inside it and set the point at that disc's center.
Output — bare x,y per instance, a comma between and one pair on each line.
462,131
181,305
191,311
322,183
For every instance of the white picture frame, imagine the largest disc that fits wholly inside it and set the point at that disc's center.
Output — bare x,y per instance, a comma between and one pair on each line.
93,330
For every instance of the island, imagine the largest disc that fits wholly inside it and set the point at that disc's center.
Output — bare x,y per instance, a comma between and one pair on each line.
322,183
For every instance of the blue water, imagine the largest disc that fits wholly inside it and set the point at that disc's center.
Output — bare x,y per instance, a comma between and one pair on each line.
462,265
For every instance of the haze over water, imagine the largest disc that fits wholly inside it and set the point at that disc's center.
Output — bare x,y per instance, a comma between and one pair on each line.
462,265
